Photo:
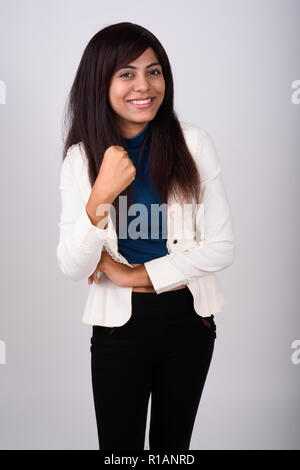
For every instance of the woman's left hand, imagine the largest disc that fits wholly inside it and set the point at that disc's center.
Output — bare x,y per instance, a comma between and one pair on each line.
118,273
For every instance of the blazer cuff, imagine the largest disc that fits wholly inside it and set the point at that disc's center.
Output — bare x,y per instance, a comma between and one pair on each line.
86,235
164,276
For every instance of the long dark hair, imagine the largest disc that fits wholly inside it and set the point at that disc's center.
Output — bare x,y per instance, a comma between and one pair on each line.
91,120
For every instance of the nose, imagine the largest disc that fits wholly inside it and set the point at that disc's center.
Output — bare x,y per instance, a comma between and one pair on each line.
141,83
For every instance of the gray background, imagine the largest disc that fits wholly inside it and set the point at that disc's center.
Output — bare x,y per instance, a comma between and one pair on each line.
233,64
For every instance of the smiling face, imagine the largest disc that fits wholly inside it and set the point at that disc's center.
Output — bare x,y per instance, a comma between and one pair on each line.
142,78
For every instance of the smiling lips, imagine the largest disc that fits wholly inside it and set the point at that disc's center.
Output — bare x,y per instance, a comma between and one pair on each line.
143,98
141,104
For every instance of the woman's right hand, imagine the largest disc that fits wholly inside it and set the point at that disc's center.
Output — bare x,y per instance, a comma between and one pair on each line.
116,171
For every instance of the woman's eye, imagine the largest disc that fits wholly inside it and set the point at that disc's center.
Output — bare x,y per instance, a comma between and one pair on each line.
156,70
125,74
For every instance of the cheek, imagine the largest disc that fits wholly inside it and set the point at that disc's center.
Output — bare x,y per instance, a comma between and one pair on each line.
117,94
161,88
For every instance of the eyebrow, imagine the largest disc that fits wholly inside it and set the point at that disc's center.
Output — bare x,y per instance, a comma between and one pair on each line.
131,66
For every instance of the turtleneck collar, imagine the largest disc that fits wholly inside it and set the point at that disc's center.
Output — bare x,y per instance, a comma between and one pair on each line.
136,141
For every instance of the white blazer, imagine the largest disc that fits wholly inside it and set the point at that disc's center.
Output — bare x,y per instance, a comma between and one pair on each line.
200,238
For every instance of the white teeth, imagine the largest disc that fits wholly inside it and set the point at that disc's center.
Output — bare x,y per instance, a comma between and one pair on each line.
141,102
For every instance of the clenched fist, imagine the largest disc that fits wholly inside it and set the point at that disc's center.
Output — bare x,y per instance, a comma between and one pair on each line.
116,171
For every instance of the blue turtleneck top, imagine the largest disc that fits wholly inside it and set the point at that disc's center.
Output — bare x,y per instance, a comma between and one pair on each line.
143,248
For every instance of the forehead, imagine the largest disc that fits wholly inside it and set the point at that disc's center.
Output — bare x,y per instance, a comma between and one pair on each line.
148,54
146,59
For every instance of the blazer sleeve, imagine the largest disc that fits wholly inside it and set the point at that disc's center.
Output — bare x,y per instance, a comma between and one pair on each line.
216,249
80,242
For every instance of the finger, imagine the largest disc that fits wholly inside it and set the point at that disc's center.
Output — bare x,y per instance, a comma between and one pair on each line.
96,277
90,280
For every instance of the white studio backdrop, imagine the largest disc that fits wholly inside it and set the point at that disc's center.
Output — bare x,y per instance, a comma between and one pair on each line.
236,71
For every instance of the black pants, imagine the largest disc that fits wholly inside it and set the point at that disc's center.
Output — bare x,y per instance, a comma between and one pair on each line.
164,349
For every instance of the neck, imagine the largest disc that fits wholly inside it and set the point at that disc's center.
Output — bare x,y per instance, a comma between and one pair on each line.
132,129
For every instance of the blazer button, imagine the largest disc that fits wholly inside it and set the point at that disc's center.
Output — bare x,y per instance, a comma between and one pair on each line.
174,241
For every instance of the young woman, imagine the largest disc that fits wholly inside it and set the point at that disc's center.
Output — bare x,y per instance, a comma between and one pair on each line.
153,291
